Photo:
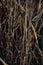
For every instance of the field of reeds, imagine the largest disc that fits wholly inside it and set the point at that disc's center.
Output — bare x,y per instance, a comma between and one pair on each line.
21,32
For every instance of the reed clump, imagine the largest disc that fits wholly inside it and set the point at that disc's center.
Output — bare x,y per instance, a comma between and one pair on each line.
21,32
